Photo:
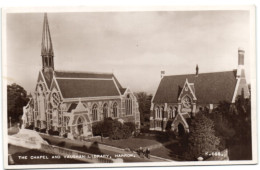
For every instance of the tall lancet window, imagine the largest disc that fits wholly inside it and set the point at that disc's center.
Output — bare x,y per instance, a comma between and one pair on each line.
128,105
157,112
115,109
171,113
94,113
105,110
41,104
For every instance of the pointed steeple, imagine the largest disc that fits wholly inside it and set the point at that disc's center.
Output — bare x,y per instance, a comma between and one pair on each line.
46,38
47,49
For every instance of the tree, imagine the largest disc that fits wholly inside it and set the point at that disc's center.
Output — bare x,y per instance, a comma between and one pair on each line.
144,102
202,139
232,123
16,100
222,117
113,129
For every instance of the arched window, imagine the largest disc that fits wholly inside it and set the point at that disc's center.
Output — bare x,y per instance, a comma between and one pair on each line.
186,102
128,105
94,112
171,113
115,109
175,110
157,112
105,110
161,112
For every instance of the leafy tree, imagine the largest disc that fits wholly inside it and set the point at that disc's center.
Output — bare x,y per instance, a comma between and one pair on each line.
221,117
144,102
16,100
232,123
201,139
113,129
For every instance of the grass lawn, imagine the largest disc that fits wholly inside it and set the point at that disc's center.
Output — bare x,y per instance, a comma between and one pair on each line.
93,148
132,143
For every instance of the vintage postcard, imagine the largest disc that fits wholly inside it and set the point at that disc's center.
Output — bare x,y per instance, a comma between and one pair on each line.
129,86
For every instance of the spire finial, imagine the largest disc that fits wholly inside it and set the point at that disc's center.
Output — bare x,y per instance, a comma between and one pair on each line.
47,49
197,70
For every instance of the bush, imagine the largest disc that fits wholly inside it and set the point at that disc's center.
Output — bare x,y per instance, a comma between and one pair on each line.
37,129
42,130
113,129
30,127
54,133
120,131
65,135
131,126
126,132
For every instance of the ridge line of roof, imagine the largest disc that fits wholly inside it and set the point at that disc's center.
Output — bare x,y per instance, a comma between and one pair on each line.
73,78
66,71
200,73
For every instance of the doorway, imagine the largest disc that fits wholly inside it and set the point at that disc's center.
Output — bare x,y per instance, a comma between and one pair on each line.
181,130
80,126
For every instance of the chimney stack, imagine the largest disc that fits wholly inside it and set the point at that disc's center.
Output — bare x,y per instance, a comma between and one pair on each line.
241,53
241,69
162,73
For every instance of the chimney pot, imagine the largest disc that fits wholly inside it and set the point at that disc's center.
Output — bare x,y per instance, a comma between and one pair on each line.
162,74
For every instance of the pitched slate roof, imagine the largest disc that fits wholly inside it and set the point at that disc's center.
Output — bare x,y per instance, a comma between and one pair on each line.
72,106
77,88
85,84
67,74
48,77
210,88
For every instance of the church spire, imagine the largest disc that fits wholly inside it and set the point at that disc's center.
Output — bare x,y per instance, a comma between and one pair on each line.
47,49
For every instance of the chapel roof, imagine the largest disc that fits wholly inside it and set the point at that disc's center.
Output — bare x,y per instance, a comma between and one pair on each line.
87,84
210,88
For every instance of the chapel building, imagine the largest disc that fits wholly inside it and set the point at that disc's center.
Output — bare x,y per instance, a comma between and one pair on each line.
71,102
179,97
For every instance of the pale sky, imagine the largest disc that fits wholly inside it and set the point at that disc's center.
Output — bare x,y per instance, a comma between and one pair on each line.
136,46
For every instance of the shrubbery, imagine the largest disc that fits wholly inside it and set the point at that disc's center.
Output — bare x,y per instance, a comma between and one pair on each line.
52,132
113,129
37,129
65,135
30,127
42,130
131,126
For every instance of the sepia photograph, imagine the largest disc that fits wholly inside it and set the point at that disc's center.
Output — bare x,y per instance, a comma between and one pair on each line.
109,87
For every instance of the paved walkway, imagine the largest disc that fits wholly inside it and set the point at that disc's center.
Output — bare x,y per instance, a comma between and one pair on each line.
111,150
